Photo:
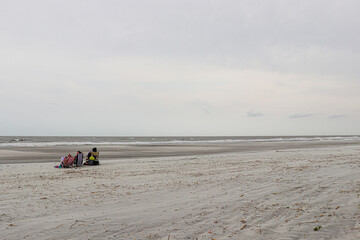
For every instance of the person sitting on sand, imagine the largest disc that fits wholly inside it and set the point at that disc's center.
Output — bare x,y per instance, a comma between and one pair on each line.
78,160
92,157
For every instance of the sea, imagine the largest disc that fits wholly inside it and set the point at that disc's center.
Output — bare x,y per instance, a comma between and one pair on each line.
44,141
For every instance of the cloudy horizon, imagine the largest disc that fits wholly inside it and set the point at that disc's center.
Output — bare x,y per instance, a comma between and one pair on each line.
141,68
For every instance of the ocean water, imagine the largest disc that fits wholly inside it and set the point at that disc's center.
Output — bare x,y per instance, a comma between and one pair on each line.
43,141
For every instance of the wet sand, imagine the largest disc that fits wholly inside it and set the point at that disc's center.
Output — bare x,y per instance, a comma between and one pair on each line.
53,154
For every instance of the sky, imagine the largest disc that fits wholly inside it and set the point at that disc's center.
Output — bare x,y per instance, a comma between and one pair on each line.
181,67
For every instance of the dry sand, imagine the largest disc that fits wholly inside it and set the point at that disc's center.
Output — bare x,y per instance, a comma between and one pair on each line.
271,194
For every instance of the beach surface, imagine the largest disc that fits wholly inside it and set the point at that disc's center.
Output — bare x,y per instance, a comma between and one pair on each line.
293,192
38,154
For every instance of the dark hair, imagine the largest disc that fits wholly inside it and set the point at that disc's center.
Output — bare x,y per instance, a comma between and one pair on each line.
94,150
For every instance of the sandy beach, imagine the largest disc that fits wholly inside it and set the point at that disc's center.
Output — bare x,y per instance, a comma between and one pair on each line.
292,192
38,154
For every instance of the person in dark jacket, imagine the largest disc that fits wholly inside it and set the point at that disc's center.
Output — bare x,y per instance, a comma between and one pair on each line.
92,157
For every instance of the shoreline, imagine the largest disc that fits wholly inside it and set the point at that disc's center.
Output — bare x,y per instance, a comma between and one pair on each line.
9,155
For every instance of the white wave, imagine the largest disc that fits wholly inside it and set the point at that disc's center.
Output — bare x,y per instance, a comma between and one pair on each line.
175,142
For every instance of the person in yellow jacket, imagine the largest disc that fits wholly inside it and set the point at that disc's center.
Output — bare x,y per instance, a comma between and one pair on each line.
92,157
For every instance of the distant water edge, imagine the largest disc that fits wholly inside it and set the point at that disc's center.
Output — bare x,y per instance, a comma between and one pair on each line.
43,141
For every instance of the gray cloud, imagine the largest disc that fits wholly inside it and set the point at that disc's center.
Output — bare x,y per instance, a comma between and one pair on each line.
253,114
162,67
336,116
301,115
227,33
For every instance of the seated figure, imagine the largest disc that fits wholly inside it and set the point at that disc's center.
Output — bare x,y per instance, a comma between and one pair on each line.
78,160
92,157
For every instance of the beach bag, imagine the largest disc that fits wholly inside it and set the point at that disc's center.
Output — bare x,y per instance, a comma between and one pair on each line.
67,161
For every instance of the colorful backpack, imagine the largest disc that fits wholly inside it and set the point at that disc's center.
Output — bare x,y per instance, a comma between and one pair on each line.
67,161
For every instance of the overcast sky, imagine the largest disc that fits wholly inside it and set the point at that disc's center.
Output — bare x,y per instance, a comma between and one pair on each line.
181,67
